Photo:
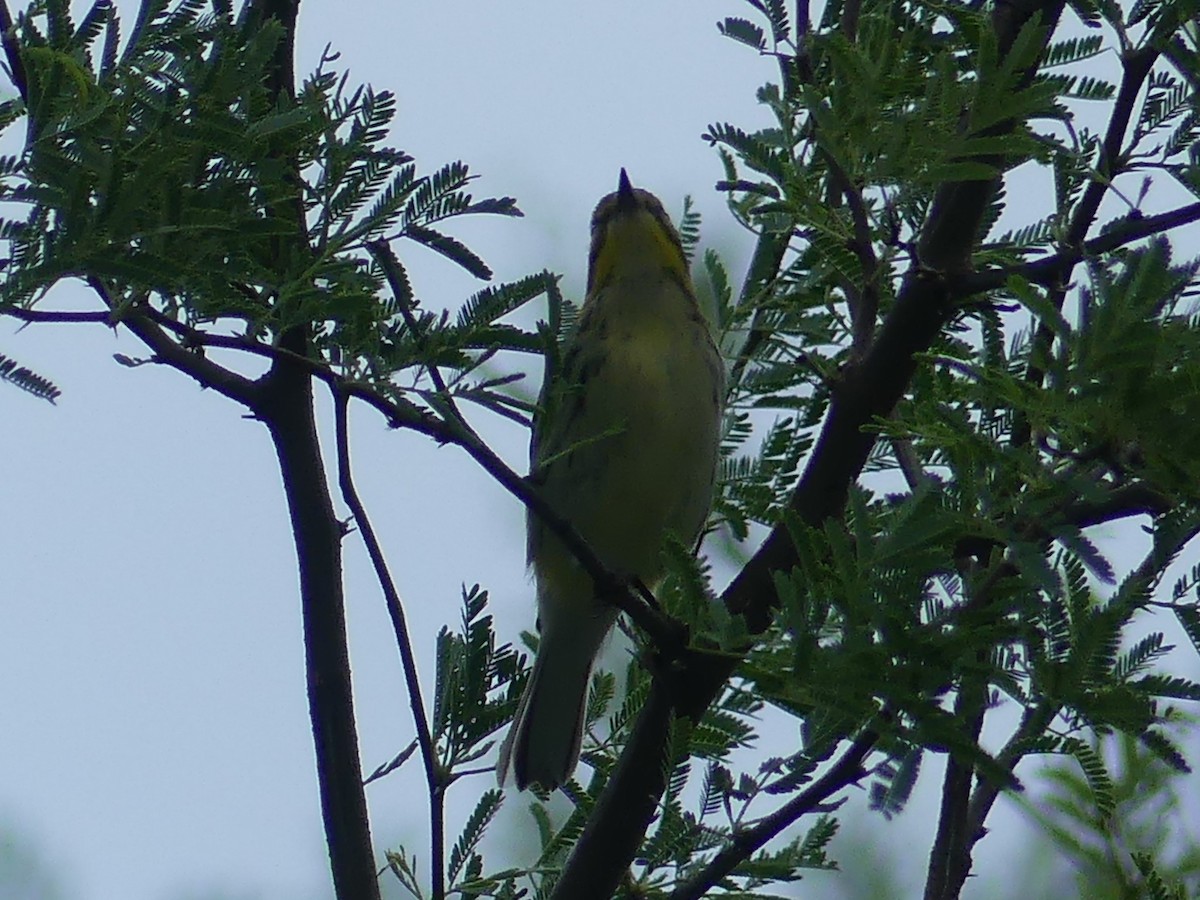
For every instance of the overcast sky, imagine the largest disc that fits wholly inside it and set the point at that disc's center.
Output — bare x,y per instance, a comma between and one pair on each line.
155,741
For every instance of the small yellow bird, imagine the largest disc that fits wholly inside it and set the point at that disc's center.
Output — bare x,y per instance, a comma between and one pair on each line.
624,447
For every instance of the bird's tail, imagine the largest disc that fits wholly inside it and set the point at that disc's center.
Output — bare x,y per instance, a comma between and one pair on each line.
542,746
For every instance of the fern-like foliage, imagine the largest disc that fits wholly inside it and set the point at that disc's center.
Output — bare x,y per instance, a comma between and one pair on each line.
958,571
27,380
1110,811
964,572
168,174
889,619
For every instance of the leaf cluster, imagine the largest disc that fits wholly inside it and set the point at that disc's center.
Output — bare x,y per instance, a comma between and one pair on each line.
471,667
1111,809
162,168
965,564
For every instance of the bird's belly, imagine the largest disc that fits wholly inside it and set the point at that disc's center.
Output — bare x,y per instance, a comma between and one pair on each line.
651,473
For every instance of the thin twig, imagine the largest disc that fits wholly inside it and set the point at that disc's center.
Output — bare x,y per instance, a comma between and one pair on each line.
1044,271
408,660
39,316
864,305
141,320
846,771
1136,66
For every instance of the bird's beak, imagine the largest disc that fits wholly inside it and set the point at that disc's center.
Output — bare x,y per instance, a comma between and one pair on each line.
625,196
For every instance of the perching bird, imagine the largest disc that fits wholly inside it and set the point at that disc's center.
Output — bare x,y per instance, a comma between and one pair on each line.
625,448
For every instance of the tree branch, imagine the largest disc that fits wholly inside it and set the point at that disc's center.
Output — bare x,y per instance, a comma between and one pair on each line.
1033,722
1134,499
1048,270
1135,69
864,304
408,660
143,321
950,857
846,771
286,408
317,535
1136,65
39,316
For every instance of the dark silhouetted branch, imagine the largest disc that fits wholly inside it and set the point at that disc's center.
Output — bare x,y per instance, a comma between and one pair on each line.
408,659
846,771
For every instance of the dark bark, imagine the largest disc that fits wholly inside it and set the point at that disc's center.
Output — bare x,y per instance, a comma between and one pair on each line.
287,411
288,414
950,858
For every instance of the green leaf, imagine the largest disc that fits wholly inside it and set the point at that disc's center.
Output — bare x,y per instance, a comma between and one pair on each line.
492,303
891,794
450,248
743,31
27,380
1164,748
473,831
1099,781
776,13
1167,686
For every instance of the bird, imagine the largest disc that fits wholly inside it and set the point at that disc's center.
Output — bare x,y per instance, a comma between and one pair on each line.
624,447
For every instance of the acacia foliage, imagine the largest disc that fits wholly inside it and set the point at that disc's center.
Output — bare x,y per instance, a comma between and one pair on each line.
960,575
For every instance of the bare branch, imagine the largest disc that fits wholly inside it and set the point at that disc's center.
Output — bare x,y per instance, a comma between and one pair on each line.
950,857
408,660
40,316
1033,722
145,322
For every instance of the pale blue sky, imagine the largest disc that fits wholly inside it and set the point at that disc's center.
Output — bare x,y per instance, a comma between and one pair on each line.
156,742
